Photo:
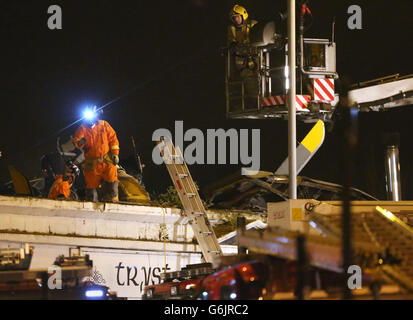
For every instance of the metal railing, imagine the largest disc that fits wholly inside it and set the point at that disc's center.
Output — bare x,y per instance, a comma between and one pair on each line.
266,74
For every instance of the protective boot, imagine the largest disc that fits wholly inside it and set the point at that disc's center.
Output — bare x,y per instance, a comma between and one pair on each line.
92,195
113,191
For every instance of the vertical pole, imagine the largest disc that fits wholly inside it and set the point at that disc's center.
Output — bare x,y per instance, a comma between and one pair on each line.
243,95
348,149
302,287
45,288
268,65
292,161
393,184
241,227
348,128
228,81
263,75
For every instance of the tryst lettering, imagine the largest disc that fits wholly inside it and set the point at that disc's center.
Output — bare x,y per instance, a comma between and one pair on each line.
129,275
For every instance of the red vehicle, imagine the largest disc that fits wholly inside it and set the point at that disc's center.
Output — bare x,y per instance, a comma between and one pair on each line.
241,281
259,277
184,290
184,284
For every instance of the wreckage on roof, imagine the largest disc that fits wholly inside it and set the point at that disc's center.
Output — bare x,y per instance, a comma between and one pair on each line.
253,192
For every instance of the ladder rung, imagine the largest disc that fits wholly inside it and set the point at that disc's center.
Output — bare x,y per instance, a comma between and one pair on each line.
176,157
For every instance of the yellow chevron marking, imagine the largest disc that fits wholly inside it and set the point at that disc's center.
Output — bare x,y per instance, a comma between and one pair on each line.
315,137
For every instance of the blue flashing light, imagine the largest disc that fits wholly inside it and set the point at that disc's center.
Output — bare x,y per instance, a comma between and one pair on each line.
94,293
354,112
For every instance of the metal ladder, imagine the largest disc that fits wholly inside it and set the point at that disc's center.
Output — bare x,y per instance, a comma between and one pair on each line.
194,209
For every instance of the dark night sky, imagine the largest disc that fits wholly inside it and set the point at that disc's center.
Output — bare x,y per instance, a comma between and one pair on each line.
169,51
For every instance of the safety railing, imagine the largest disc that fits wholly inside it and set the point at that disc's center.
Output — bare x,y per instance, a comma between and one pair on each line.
262,93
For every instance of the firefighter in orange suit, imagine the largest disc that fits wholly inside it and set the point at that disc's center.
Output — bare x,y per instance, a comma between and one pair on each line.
61,187
101,146
64,176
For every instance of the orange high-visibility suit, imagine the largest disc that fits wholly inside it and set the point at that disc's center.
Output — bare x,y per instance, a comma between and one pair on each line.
100,145
60,187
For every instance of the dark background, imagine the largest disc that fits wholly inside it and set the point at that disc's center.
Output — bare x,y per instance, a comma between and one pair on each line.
164,57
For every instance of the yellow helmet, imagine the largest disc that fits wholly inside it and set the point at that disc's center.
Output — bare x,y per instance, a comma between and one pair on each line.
239,10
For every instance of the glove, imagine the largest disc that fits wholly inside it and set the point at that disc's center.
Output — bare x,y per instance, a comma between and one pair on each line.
115,159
